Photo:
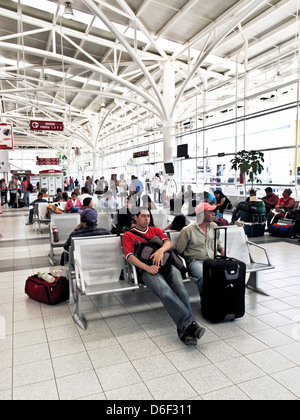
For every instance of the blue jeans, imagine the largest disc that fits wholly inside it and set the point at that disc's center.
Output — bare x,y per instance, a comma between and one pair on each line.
26,198
173,296
195,268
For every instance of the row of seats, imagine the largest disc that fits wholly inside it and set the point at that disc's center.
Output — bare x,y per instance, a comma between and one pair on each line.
96,264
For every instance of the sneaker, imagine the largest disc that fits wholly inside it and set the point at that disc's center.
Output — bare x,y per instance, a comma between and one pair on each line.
195,330
29,223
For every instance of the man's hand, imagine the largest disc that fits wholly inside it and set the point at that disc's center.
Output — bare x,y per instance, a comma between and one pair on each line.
152,269
157,257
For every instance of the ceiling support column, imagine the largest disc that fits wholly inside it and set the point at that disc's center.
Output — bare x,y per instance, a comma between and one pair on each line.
169,125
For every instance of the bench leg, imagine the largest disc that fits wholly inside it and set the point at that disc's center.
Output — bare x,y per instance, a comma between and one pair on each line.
252,284
78,317
71,289
51,255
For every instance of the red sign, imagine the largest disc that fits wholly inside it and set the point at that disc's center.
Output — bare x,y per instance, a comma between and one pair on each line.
6,136
47,161
141,154
46,125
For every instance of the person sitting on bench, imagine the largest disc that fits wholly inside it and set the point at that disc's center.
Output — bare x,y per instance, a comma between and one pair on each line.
86,227
171,291
39,199
196,242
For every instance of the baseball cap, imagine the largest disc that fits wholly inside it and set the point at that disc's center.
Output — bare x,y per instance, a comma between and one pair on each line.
204,206
90,215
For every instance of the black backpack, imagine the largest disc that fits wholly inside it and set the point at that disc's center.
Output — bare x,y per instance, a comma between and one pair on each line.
30,187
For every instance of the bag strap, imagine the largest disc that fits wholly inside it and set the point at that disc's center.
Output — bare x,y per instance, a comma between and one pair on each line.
139,234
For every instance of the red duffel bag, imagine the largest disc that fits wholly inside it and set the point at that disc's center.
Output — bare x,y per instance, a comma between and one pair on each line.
45,292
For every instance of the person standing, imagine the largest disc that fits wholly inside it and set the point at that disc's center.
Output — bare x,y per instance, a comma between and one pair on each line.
3,188
13,190
123,187
26,192
156,188
88,184
137,189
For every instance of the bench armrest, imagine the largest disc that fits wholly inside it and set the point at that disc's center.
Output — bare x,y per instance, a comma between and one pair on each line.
79,280
260,247
132,268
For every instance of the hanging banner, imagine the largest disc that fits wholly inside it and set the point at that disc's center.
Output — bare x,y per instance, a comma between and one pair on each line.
6,137
46,125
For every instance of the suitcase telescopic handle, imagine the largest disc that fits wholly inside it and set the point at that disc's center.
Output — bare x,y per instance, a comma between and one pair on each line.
225,241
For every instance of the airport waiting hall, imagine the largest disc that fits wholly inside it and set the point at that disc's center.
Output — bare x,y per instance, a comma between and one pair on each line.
169,93
130,350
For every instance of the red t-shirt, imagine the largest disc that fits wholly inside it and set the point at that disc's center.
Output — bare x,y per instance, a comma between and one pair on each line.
285,202
129,238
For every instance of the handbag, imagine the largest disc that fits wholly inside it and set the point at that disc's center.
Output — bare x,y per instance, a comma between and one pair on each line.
43,291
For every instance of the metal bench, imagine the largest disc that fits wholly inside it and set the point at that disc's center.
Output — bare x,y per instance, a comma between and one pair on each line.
65,224
239,247
39,216
98,265
70,264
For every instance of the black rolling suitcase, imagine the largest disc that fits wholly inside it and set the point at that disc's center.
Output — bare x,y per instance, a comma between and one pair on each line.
224,281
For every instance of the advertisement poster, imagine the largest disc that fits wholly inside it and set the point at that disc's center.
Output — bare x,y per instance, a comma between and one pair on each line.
51,180
6,137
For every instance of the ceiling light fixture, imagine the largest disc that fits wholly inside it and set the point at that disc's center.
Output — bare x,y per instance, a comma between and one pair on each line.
68,12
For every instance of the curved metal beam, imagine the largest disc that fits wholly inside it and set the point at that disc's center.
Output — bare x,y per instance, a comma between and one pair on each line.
92,6
215,43
76,62
73,130
88,91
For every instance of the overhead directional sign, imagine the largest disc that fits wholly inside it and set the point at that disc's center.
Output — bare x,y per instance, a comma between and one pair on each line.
47,161
46,125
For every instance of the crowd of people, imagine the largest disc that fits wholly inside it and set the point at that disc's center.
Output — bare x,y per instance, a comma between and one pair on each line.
133,207
113,196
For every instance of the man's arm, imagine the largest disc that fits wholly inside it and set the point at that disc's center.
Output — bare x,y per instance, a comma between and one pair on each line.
157,258
158,255
182,242
151,269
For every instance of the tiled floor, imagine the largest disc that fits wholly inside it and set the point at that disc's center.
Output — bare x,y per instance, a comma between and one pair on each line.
130,349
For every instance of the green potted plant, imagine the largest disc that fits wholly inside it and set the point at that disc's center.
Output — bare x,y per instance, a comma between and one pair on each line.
249,163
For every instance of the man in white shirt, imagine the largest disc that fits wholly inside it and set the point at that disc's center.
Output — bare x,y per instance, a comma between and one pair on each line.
108,203
85,194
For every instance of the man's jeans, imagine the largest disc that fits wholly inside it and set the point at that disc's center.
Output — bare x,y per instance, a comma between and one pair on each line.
173,296
195,268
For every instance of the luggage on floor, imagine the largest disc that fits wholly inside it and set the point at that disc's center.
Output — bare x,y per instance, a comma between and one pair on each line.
282,229
224,283
43,291
254,229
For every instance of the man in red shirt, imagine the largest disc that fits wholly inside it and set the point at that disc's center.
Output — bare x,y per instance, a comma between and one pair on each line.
270,199
172,293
